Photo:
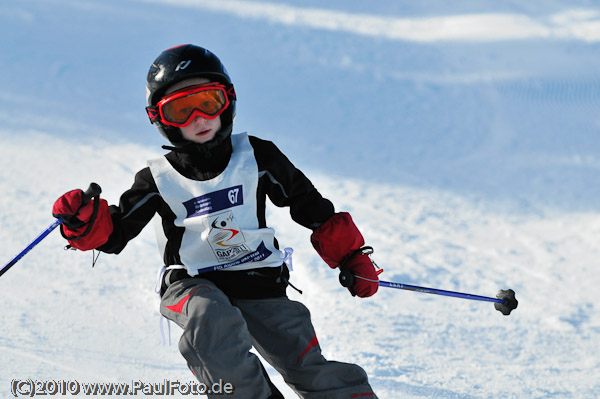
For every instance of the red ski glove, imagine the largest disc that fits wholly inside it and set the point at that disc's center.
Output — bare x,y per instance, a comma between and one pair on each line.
337,241
80,226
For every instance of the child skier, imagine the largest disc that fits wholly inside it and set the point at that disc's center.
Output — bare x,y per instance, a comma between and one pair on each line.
225,279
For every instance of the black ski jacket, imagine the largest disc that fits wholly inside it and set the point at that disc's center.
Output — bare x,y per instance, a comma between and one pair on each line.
279,179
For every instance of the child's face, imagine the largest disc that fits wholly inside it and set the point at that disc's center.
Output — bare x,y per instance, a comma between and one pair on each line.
200,130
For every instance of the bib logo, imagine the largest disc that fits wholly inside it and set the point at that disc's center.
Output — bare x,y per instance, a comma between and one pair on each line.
225,236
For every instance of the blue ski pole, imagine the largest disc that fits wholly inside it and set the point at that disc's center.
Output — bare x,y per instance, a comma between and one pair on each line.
92,191
436,291
505,300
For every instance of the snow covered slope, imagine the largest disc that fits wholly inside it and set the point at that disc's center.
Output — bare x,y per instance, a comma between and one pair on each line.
463,139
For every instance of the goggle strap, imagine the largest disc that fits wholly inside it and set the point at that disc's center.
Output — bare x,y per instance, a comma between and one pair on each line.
153,113
231,93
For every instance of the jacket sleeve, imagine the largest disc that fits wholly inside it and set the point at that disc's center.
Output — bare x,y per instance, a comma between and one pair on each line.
287,186
137,206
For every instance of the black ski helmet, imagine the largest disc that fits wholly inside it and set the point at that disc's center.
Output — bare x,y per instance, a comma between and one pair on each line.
183,62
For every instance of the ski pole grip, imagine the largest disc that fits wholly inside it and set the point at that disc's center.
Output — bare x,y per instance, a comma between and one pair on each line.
92,191
346,278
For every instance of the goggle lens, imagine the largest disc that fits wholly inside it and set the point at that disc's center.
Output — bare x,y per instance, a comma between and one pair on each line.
179,108
208,102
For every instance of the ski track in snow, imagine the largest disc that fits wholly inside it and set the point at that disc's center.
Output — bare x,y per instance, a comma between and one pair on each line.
62,319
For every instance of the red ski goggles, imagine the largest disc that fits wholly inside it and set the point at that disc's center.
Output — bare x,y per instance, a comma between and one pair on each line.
179,108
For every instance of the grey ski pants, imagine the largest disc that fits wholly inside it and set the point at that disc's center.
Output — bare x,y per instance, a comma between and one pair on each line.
218,334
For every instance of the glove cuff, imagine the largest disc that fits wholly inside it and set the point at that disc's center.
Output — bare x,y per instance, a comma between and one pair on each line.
337,238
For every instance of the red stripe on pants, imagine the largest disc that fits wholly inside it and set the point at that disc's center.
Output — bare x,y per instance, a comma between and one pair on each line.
313,342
